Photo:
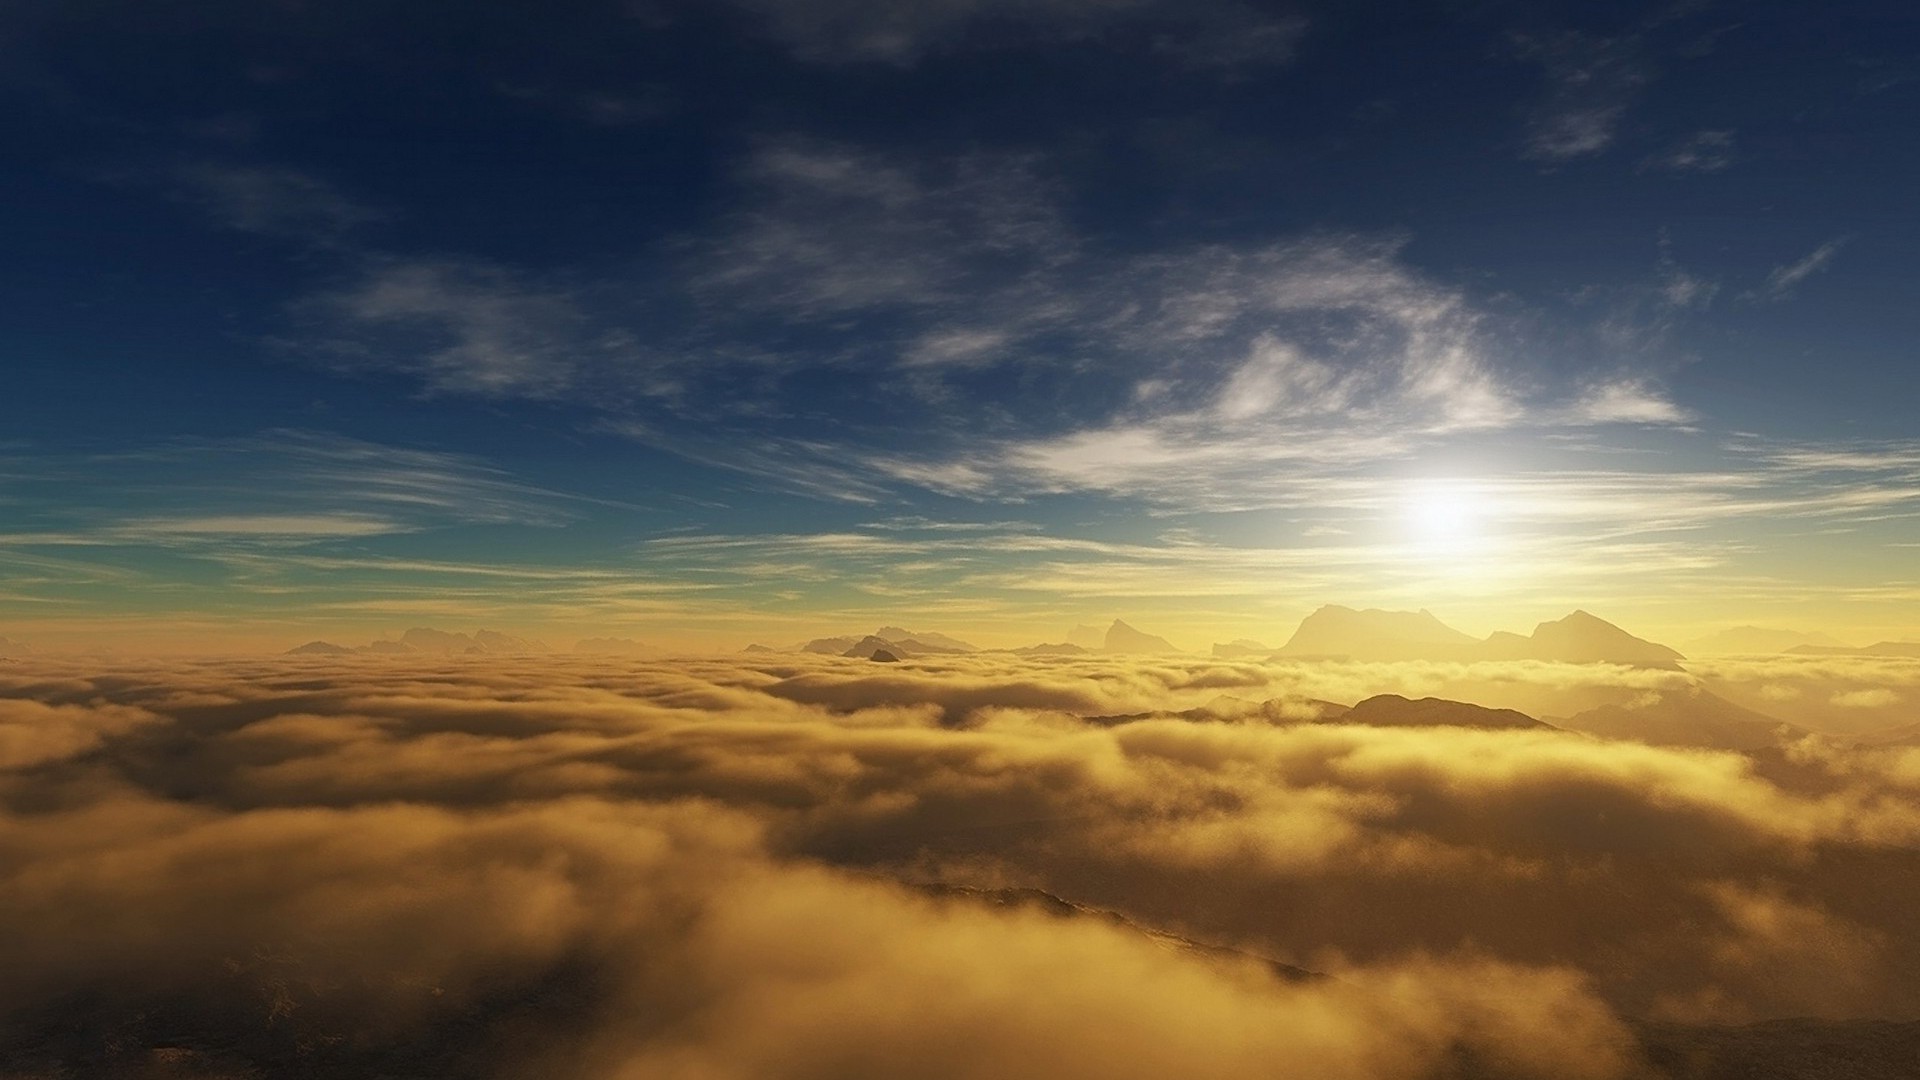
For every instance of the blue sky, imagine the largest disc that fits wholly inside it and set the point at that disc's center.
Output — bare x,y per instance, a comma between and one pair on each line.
738,320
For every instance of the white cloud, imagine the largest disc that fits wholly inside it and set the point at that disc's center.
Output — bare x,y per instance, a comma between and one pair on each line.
1784,279
1875,698
1277,378
1626,402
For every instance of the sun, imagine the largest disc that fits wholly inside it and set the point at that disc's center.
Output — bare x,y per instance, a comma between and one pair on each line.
1445,519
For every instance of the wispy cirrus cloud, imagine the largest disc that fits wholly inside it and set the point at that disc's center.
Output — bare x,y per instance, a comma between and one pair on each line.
851,294
271,200
831,229
1217,35
283,487
470,326
1784,279
266,527
1700,152
1203,359
1591,80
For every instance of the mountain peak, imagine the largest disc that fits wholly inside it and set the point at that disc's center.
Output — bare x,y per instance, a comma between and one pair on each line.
1584,637
1376,635
1125,639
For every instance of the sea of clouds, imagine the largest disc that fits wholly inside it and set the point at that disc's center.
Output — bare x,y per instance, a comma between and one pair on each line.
715,868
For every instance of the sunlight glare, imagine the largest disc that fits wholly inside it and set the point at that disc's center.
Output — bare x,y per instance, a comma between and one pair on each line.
1445,519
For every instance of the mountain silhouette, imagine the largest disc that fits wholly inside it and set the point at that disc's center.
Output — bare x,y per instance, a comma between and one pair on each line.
386,648
426,639
1583,638
866,647
1122,638
1392,710
611,646
902,643
1756,639
1240,647
1335,632
1692,716
1906,649
319,648
927,640
1056,648
1342,632
831,646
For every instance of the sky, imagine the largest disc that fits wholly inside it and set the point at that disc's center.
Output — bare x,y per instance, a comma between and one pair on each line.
751,320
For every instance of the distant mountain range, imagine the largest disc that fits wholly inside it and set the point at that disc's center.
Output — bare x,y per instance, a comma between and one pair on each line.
1240,648
1055,648
1739,640
1342,633
1331,633
1909,649
897,642
423,639
1686,717
903,644
611,646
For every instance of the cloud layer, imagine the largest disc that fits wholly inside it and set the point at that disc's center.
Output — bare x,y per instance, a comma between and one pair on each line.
710,868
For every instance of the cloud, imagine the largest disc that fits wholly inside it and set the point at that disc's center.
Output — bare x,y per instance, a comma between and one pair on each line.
890,284
1216,35
251,503
1703,151
469,327
34,732
1590,83
1627,403
272,201
267,526
1173,373
695,866
1781,283
834,230
1876,698
678,873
